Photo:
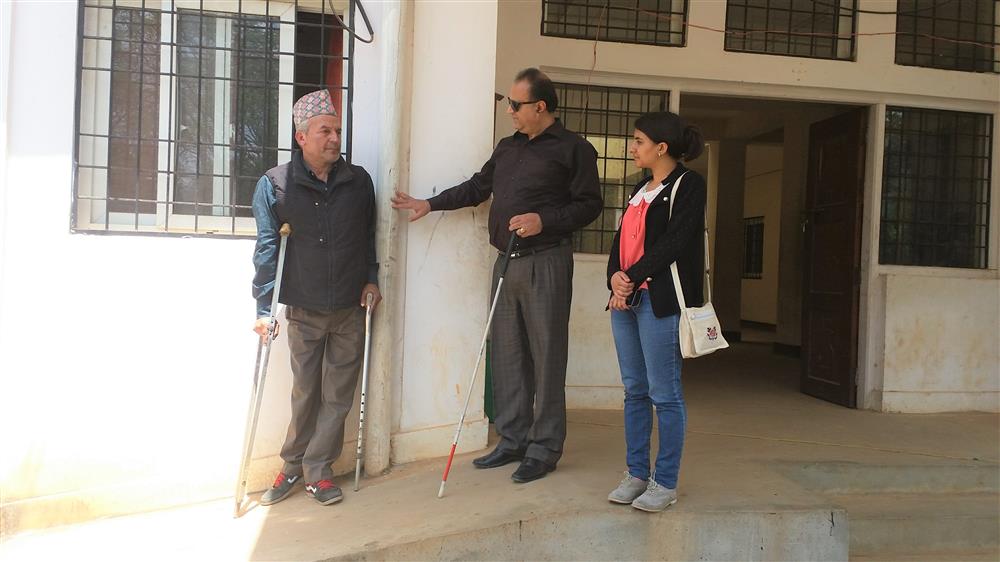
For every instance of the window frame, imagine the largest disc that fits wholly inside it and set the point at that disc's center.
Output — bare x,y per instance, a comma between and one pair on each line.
757,259
603,228
685,10
981,249
837,18
90,189
914,36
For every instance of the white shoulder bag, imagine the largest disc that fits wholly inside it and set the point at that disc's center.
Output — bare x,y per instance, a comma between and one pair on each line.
699,331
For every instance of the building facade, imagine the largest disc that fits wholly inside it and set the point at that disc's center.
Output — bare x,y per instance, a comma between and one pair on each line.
851,161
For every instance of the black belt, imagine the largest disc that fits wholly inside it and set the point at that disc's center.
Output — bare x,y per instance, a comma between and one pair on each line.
535,249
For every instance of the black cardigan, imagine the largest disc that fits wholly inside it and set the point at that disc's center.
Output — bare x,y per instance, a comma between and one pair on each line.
680,239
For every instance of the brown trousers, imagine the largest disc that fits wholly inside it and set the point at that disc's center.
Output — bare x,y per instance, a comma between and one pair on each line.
326,350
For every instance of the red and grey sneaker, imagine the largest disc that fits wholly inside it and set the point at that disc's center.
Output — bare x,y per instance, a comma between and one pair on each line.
324,491
282,487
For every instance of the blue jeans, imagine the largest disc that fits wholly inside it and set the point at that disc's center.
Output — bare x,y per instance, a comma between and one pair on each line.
649,356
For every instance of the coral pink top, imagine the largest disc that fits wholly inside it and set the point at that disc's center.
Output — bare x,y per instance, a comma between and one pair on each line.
633,231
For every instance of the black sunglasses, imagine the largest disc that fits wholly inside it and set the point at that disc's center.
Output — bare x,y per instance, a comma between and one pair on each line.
515,106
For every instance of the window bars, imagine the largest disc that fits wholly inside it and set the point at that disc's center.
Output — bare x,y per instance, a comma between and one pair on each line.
753,247
954,35
936,188
801,28
606,117
184,104
648,22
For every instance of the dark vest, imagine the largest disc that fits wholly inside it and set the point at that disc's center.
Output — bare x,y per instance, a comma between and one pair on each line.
326,259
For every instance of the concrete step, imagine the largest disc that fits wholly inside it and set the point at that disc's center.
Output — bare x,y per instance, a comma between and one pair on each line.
858,478
625,534
896,524
932,556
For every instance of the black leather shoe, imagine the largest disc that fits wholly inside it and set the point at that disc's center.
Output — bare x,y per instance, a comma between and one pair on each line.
498,457
531,469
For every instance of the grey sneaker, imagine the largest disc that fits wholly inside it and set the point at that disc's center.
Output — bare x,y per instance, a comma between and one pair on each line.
324,491
628,489
283,485
655,498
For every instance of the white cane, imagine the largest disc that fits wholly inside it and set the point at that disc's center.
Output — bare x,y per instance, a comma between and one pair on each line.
369,298
259,373
475,368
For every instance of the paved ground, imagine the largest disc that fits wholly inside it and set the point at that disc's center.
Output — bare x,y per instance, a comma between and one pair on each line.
749,434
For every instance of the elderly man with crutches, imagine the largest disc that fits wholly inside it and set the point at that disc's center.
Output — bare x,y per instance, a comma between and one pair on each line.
329,270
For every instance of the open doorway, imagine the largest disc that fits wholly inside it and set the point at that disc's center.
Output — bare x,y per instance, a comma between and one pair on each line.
786,182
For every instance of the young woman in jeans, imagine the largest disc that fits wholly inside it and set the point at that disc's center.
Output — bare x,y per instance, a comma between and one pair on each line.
644,309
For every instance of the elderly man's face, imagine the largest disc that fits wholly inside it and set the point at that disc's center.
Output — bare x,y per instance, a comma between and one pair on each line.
529,115
321,142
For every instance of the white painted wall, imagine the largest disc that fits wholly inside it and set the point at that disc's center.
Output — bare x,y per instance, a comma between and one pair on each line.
941,347
448,256
125,361
593,379
762,198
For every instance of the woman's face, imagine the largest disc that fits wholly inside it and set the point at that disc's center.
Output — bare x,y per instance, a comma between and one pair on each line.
644,151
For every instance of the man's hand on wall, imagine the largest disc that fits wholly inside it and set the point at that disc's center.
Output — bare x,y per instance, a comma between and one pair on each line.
419,207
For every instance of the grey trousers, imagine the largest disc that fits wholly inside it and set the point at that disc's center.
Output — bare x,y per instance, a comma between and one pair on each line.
326,350
529,341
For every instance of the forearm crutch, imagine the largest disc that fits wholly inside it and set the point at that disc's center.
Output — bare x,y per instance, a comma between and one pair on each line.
259,373
369,298
475,368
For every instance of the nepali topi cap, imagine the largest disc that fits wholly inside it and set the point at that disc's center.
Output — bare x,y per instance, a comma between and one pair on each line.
311,105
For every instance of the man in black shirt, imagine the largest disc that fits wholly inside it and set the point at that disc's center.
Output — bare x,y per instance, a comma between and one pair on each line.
544,184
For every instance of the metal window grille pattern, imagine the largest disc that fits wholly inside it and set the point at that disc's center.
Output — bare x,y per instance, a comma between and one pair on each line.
606,117
753,247
954,35
802,28
936,188
647,22
184,104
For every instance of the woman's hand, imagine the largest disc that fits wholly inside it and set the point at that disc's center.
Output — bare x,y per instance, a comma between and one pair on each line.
618,303
621,285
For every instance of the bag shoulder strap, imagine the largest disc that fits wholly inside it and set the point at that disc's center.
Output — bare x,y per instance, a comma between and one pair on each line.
673,266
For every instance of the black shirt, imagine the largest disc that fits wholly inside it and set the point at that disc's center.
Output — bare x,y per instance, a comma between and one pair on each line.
553,174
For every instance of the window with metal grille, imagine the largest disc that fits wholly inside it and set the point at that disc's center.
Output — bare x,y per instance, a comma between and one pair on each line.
953,35
606,117
184,104
802,28
753,247
936,188
648,22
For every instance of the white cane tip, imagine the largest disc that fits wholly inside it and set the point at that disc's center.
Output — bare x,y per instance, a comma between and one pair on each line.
441,491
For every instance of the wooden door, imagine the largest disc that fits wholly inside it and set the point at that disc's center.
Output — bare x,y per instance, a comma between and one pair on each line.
833,257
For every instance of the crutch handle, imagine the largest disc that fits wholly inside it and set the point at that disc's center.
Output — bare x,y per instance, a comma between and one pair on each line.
286,230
